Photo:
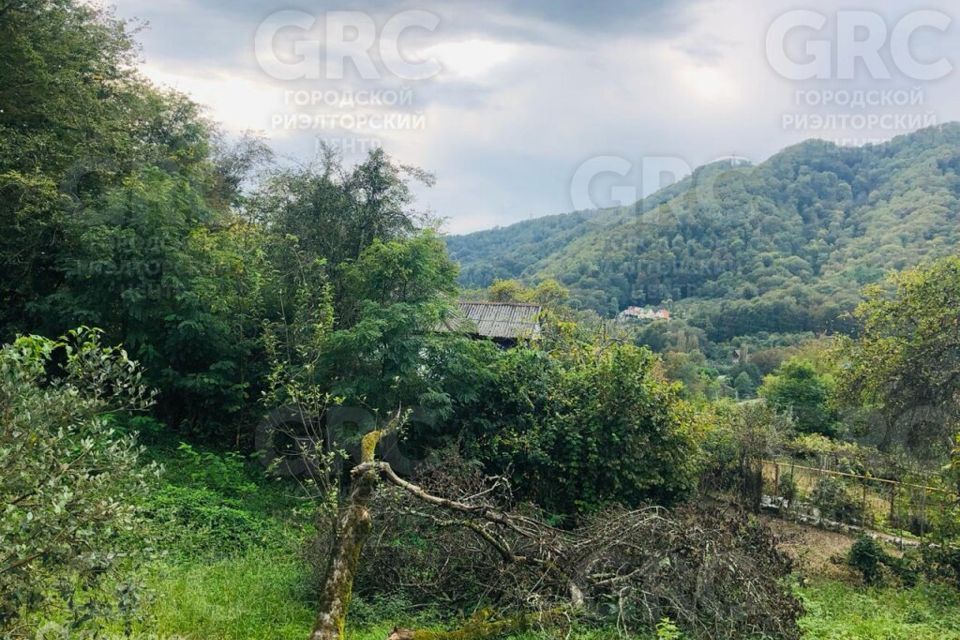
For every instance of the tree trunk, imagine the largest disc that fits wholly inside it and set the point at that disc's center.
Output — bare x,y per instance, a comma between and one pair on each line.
353,527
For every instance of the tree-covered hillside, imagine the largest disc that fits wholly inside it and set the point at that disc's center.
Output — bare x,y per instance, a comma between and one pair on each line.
783,246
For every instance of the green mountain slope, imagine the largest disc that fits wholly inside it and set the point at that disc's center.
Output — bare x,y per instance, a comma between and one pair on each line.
783,246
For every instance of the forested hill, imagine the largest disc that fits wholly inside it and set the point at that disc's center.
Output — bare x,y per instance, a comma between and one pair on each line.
783,246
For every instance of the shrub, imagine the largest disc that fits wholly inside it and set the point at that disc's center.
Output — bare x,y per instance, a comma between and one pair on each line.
834,501
787,487
69,480
868,557
667,630
941,562
735,446
799,389
584,428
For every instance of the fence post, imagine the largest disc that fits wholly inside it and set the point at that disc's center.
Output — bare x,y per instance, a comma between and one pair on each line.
863,502
923,510
893,500
893,514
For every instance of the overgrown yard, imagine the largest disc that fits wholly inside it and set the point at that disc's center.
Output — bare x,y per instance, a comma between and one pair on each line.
260,595
260,586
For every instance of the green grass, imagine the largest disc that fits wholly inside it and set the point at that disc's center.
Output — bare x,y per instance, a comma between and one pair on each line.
257,595
837,611
260,595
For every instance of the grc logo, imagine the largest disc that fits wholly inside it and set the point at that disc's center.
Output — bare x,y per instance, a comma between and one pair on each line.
858,37
602,182
292,45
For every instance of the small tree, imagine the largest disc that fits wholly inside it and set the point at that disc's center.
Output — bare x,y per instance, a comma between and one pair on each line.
799,389
585,426
68,476
734,447
744,385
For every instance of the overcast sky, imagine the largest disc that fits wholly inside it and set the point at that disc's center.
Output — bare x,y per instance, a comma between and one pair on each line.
523,108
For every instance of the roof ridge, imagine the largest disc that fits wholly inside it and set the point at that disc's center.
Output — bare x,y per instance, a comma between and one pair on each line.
492,302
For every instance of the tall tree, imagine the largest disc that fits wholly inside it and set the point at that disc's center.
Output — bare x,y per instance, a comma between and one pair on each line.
905,363
336,212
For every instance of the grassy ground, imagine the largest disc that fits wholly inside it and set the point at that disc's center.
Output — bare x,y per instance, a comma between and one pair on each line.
260,595
251,584
837,611
257,595
253,597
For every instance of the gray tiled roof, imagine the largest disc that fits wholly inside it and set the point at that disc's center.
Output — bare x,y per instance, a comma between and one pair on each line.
499,319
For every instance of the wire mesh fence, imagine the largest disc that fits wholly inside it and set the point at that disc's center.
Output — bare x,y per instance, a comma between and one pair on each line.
907,510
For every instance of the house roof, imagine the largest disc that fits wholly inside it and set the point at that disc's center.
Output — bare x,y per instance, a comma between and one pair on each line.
498,320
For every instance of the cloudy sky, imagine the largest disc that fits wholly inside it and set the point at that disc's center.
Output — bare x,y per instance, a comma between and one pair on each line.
523,108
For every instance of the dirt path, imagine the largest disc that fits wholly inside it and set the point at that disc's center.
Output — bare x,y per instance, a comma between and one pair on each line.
815,551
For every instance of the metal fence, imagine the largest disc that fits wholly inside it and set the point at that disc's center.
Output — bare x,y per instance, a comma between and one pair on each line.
907,511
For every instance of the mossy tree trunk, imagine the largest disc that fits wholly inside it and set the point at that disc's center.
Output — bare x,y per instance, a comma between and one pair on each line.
353,527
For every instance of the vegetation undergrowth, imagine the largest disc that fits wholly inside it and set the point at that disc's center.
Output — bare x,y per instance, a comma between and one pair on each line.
261,595
227,551
838,611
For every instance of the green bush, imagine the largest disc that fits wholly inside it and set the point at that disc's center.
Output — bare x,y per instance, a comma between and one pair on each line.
69,481
868,557
799,389
941,562
667,630
583,427
738,438
787,487
835,502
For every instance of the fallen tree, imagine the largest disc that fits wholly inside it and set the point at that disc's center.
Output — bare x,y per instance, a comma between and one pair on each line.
715,574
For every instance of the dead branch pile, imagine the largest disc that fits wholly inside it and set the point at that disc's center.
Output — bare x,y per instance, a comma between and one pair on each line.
717,575
452,538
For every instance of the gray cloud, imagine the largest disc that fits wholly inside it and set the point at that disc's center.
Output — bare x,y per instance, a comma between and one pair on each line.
221,29
687,80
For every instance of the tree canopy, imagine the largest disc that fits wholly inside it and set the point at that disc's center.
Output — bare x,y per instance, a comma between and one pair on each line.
904,365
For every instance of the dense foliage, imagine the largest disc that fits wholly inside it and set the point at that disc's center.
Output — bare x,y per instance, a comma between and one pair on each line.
116,198
579,430
70,480
797,388
903,367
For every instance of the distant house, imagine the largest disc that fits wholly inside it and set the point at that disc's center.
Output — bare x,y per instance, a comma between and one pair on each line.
639,313
502,322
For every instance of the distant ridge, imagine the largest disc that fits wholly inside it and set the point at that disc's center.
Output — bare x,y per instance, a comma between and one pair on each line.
785,245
